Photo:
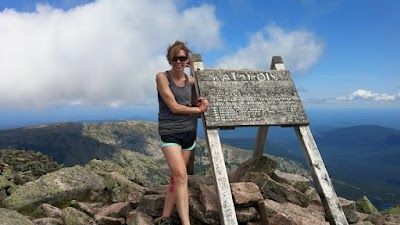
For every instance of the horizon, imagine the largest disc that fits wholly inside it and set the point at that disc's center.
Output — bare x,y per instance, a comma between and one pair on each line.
334,117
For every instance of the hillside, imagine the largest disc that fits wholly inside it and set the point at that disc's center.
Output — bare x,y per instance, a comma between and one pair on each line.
361,160
369,158
364,135
78,143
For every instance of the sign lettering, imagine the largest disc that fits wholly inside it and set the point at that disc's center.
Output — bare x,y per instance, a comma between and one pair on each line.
250,98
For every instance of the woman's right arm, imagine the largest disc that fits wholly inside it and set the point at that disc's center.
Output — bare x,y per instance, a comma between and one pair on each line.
169,98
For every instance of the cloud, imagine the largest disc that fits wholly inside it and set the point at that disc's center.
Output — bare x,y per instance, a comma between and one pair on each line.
299,50
359,96
369,96
104,53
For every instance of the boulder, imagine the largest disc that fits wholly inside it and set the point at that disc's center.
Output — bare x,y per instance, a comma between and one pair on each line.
245,193
55,188
364,205
259,164
11,217
273,213
48,210
116,210
247,214
276,191
349,209
72,216
48,221
138,218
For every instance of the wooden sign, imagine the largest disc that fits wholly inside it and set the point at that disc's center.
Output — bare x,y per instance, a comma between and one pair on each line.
250,98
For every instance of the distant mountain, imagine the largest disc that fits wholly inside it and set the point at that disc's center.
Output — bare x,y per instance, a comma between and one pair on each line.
366,156
78,143
363,135
361,160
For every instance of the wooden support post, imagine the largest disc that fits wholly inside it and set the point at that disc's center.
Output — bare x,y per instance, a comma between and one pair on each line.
261,139
320,176
227,214
319,173
276,64
190,166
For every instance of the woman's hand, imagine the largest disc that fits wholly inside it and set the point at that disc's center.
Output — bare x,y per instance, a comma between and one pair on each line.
202,103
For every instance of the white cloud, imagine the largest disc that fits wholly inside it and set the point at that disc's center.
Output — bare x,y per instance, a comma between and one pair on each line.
359,96
105,53
368,95
299,50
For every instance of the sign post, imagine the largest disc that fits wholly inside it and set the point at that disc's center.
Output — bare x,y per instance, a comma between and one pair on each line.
259,98
227,212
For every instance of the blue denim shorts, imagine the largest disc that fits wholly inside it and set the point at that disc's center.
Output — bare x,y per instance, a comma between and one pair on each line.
186,140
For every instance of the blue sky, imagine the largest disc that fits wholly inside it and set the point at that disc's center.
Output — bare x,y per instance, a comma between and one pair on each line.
79,54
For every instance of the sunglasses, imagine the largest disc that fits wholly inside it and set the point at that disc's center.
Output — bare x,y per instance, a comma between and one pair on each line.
180,58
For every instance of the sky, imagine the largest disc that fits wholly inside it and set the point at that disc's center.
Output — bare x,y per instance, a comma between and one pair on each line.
104,54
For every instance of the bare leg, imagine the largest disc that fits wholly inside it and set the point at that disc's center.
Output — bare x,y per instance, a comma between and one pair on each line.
178,194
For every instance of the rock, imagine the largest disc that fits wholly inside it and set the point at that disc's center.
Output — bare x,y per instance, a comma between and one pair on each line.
3,194
258,164
313,195
197,210
195,180
289,178
55,188
5,183
152,205
379,219
116,210
209,199
82,207
363,223
72,216
48,210
105,220
276,191
134,198
245,193
139,218
11,217
247,214
349,209
104,167
48,221
273,213
121,187
254,223
362,216
364,205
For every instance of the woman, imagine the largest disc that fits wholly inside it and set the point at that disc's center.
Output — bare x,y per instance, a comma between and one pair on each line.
176,128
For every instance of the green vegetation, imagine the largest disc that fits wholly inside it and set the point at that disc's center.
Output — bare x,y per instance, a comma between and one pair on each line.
393,210
364,205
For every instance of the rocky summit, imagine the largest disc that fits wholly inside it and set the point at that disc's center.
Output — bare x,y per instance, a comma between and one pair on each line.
102,192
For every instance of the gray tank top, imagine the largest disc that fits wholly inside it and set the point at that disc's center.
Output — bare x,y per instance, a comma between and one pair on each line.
168,122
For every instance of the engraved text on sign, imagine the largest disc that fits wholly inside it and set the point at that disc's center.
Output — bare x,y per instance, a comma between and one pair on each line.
250,98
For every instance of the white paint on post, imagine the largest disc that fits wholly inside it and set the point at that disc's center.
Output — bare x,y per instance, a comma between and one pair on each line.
227,208
227,212
321,178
